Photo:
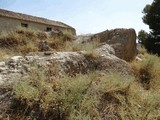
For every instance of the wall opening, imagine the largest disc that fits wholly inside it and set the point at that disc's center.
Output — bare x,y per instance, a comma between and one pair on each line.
24,25
48,29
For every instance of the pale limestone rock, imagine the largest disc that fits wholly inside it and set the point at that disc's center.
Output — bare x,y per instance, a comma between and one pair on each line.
106,49
2,64
66,63
16,58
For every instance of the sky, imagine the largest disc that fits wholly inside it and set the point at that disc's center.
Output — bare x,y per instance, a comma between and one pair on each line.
86,16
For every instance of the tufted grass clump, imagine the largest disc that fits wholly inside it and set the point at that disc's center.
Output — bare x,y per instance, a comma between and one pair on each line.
67,35
147,71
20,42
139,104
142,50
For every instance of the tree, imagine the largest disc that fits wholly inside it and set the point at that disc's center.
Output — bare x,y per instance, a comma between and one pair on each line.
142,36
152,18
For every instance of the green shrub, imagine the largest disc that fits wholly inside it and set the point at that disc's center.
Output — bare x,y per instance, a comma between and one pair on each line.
67,35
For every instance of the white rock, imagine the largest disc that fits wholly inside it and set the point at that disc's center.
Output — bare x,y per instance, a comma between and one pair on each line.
2,64
106,49
16,58
2,69
138,58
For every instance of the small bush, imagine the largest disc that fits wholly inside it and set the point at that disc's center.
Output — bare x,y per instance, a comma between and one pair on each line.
142,51
11,40
56,43
29,33
41,35
67,35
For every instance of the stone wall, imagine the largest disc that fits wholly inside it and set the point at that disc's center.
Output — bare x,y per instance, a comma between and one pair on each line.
9,24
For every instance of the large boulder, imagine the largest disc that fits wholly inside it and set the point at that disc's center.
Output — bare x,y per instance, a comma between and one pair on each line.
122,40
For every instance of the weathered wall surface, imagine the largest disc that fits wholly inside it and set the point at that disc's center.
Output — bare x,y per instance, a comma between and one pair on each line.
9,24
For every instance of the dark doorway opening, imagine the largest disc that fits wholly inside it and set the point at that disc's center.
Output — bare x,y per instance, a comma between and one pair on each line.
48,29
24,25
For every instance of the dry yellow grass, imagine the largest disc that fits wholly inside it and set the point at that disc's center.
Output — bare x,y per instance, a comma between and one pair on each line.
24,41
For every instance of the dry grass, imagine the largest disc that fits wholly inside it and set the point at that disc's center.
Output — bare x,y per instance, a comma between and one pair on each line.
18,42
88,49
139,104
97,96
2,54
143,99
147,71
41,95
24,41
142,50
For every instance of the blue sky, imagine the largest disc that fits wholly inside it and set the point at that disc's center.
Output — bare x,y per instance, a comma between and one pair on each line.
86,16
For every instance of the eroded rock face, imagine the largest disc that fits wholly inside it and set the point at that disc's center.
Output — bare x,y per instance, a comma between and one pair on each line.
66,63
122,40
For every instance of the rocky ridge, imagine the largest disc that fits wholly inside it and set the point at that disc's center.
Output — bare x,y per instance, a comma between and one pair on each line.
67,63
115,45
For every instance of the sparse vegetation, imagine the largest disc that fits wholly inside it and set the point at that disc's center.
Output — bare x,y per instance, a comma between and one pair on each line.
66,98
24,40
43,95
148,70
88,97
142,50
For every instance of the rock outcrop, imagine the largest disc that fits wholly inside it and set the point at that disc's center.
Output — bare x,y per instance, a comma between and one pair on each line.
66,63
70,63
122,43
119,42
122,40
